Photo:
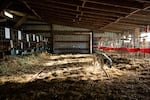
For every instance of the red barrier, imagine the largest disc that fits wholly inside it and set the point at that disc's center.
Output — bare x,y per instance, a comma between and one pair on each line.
122,49
101,47
142,50
116,49
106,49
133,49
145,50
109,48
95,46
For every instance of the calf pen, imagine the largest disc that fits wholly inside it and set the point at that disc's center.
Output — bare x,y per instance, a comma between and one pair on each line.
16,42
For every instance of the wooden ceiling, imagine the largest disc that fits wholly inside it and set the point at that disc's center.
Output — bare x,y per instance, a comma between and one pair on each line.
18,9
101,15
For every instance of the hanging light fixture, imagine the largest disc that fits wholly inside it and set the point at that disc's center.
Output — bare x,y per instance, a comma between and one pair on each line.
8,14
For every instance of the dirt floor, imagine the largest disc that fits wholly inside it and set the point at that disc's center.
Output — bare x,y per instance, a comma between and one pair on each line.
73,77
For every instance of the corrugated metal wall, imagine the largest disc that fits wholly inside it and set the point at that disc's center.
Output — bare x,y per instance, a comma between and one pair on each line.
71,43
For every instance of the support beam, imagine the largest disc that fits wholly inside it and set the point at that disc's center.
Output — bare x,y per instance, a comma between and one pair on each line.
137,19
141,17
3,20
136,22
92,27
144,1
121,28
94,14
35,24
70,20
119,19
21,14
124,27
53,10
31,9
130,14
81,14
51,4
108,8
130,4
97,14
112,30
21,21
62,8
101,12
88,5
128,24
52,39
37,31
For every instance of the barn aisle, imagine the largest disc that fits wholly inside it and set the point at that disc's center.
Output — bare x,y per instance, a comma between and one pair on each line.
73,77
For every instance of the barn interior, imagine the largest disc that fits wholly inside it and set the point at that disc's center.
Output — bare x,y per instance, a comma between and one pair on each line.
74,50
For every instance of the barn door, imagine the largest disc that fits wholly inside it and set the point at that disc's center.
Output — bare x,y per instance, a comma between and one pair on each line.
71,43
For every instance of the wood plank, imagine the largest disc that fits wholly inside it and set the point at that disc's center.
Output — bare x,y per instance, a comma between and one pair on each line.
21,21
56,10
67,23
71,32
120,3
108,8
87,5
93,14
49,3
86,10
137,19
86,16
142,22
69,2
36,31
71,48
99,12
72,41
128,24
75,21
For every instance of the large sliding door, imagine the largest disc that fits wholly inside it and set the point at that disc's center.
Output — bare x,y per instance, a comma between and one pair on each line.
71,43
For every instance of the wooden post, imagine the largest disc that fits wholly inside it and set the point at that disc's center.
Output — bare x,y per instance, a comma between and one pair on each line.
1,55
52,38
91,43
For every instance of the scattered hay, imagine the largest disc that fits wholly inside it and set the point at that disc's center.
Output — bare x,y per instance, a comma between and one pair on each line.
71,77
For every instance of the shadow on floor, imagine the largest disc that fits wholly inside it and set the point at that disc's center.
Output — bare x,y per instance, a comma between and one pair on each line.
73,89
